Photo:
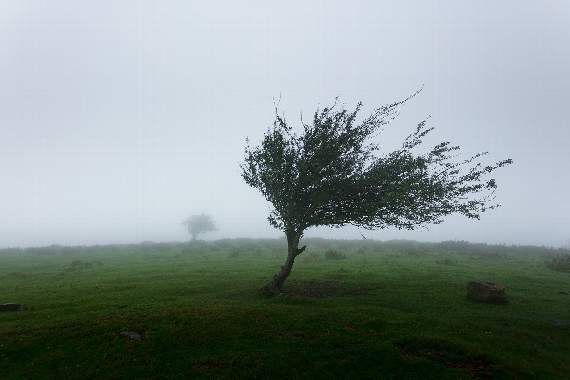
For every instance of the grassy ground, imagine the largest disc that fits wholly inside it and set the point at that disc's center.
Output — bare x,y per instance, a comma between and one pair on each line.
388,310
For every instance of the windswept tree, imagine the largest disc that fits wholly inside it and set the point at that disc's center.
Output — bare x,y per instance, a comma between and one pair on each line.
198,224
332,173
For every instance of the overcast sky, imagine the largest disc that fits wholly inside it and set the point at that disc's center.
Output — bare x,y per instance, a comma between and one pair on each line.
120,118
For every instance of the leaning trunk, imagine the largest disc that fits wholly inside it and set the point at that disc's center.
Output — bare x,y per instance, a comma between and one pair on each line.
275,286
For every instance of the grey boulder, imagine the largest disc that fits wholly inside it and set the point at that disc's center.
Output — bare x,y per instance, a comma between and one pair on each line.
10,307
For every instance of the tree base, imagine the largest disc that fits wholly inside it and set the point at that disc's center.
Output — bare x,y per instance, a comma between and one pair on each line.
273,287
269,290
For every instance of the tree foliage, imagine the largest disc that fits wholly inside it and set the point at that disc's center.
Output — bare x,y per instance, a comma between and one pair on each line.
198,224
333,174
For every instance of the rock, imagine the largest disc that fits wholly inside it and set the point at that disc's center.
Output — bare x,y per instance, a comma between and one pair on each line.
487,292
561,323
10,307
132,335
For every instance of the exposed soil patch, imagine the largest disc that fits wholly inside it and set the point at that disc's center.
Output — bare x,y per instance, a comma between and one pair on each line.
206,365
486,292
322,289
450,355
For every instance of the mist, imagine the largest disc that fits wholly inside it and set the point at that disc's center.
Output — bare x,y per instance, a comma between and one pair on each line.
118,120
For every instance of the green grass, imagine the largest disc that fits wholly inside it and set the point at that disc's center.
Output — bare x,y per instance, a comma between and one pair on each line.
394,310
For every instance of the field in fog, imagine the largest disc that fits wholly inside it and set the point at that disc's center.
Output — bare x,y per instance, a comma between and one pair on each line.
352,309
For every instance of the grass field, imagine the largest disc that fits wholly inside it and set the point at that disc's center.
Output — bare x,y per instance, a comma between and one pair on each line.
392,310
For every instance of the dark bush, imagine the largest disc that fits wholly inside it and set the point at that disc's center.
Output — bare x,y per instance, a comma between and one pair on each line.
331,254
311,257
234,254
445,261
559,263
80,265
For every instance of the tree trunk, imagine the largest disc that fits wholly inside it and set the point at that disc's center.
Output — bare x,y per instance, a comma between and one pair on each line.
275,286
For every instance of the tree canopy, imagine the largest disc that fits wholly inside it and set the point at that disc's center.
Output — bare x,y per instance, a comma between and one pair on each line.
197,224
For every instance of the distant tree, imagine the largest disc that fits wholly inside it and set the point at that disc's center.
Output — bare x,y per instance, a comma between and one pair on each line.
198,224
332,174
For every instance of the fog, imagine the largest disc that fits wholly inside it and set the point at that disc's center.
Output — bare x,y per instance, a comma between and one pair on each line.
119,119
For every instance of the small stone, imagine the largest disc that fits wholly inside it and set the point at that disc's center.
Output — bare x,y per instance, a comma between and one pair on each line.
132,335
10,307
487,292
